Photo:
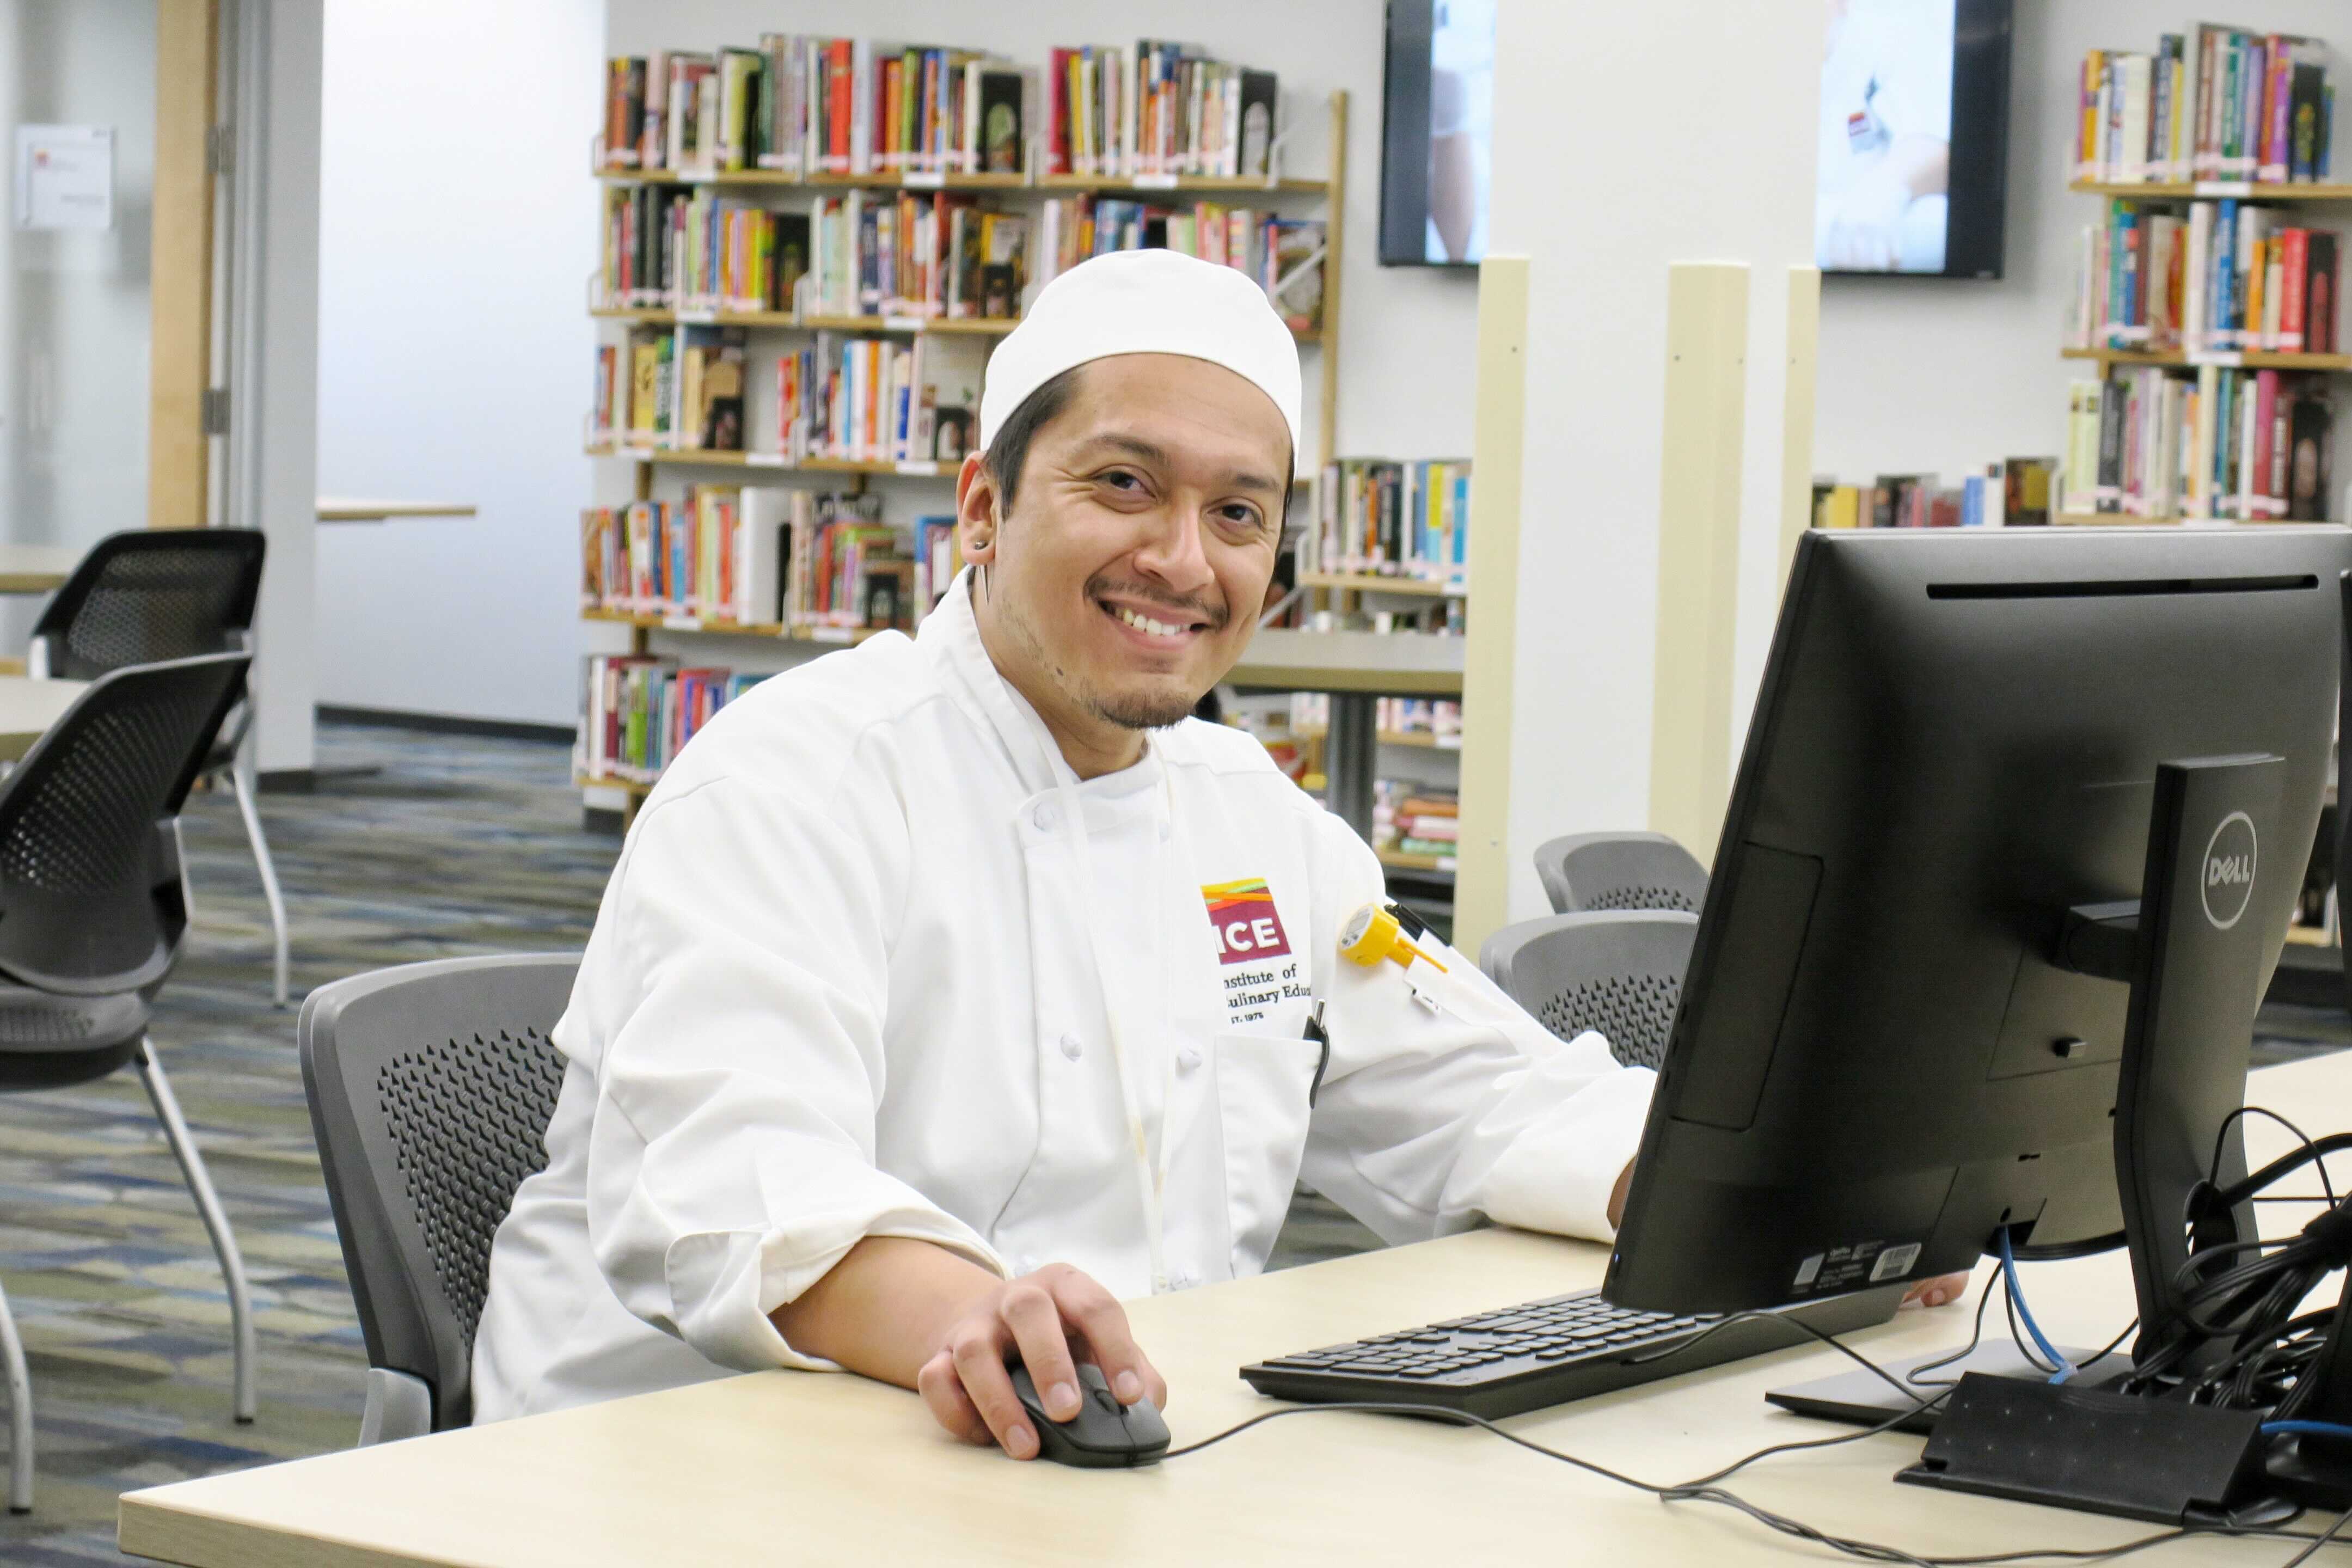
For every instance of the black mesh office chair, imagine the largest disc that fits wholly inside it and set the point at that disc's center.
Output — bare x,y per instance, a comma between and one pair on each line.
163,594
1619,972
431,1087
91,915
1620,871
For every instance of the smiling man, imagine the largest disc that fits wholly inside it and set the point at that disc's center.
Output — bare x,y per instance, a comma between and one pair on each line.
949,989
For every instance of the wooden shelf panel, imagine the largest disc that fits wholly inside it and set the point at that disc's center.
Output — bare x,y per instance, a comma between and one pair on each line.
2214,190
976,326
2125,520
2229,358
1142,184
1421,738
920,469
636,787
1367,583
1398,860
1387,664
717,627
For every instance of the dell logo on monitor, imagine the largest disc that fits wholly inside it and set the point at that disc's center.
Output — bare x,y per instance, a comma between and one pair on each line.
2228,884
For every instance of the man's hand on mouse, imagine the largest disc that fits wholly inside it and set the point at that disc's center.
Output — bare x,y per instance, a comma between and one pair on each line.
1049,1318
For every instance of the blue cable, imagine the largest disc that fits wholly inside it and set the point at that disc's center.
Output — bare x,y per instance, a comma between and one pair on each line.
2305,1428
2066,1369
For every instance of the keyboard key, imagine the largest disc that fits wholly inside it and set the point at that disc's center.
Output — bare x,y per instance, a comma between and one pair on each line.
1557,1352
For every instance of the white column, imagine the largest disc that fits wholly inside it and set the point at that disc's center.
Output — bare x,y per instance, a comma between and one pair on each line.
286,314
1627,139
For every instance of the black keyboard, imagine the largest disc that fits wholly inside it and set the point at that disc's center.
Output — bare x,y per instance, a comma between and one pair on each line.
1545,1352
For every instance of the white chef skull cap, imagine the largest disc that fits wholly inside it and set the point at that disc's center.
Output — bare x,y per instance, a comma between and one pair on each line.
1144,303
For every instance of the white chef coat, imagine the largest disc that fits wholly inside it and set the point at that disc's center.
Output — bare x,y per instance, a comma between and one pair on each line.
841,986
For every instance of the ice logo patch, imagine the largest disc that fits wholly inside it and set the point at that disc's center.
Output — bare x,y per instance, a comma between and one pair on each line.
2227,886
1243,919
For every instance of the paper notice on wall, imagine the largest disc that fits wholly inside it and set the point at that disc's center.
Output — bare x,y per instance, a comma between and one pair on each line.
65,176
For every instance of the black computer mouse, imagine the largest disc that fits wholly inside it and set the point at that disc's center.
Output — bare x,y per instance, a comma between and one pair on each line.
1104,1435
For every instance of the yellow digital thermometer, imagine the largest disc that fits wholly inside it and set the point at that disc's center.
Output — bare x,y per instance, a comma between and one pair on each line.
1372,934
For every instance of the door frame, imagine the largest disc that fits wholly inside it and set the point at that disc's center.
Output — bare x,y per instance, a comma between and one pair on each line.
180,266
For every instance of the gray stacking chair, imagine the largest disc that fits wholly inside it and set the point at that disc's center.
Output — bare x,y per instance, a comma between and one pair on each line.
91,916
431,1087
1616,971
1620,871
160,594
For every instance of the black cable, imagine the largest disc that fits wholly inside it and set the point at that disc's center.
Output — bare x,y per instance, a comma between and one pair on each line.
2304,1556
2222,1133
1868,1551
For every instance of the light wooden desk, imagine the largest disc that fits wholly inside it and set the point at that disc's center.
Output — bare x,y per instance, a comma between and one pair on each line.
801,1467
342,509
27,709
37,568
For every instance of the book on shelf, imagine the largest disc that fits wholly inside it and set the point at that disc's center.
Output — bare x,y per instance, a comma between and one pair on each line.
1284,256
1159,109
801,105
2248,445
871,399
2225,104
753,556
636,713
1388,519
2001,495
677,388
1404,717
901,254
1414,818
2226,276
939,556
676,248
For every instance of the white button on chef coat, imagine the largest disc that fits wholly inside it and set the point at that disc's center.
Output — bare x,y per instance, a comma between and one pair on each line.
841,985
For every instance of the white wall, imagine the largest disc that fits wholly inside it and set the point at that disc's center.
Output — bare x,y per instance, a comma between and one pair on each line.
1600,231
457,224
1941,376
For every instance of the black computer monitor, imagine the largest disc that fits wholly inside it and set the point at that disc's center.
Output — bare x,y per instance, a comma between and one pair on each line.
1905,1023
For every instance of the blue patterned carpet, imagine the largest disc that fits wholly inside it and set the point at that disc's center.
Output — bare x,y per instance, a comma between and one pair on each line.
458,846
455,846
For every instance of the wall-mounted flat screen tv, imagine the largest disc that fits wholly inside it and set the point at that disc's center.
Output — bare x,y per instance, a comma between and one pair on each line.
1913,138
1436,126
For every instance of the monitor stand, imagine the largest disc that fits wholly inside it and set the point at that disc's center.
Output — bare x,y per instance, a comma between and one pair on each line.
2192,950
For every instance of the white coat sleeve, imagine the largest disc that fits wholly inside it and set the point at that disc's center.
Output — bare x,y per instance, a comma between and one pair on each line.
1431,1117
730,1005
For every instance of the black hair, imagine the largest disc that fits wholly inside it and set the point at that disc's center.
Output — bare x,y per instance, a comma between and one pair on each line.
1009,453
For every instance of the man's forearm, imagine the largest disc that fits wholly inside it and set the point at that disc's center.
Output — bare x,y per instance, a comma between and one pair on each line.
882,1310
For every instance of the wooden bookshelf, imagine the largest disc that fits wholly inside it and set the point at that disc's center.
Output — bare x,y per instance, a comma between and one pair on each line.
1239,191
2125,520
1421,738
2229,358
2215,189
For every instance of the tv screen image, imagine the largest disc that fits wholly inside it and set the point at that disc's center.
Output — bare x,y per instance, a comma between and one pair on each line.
1437,133
1912,136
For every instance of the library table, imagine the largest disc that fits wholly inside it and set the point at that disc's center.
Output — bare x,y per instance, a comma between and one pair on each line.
829,1467
37,568
345,509
1356,669
27,709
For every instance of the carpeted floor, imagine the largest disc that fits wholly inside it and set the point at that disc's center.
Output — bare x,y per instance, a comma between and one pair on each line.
452,845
